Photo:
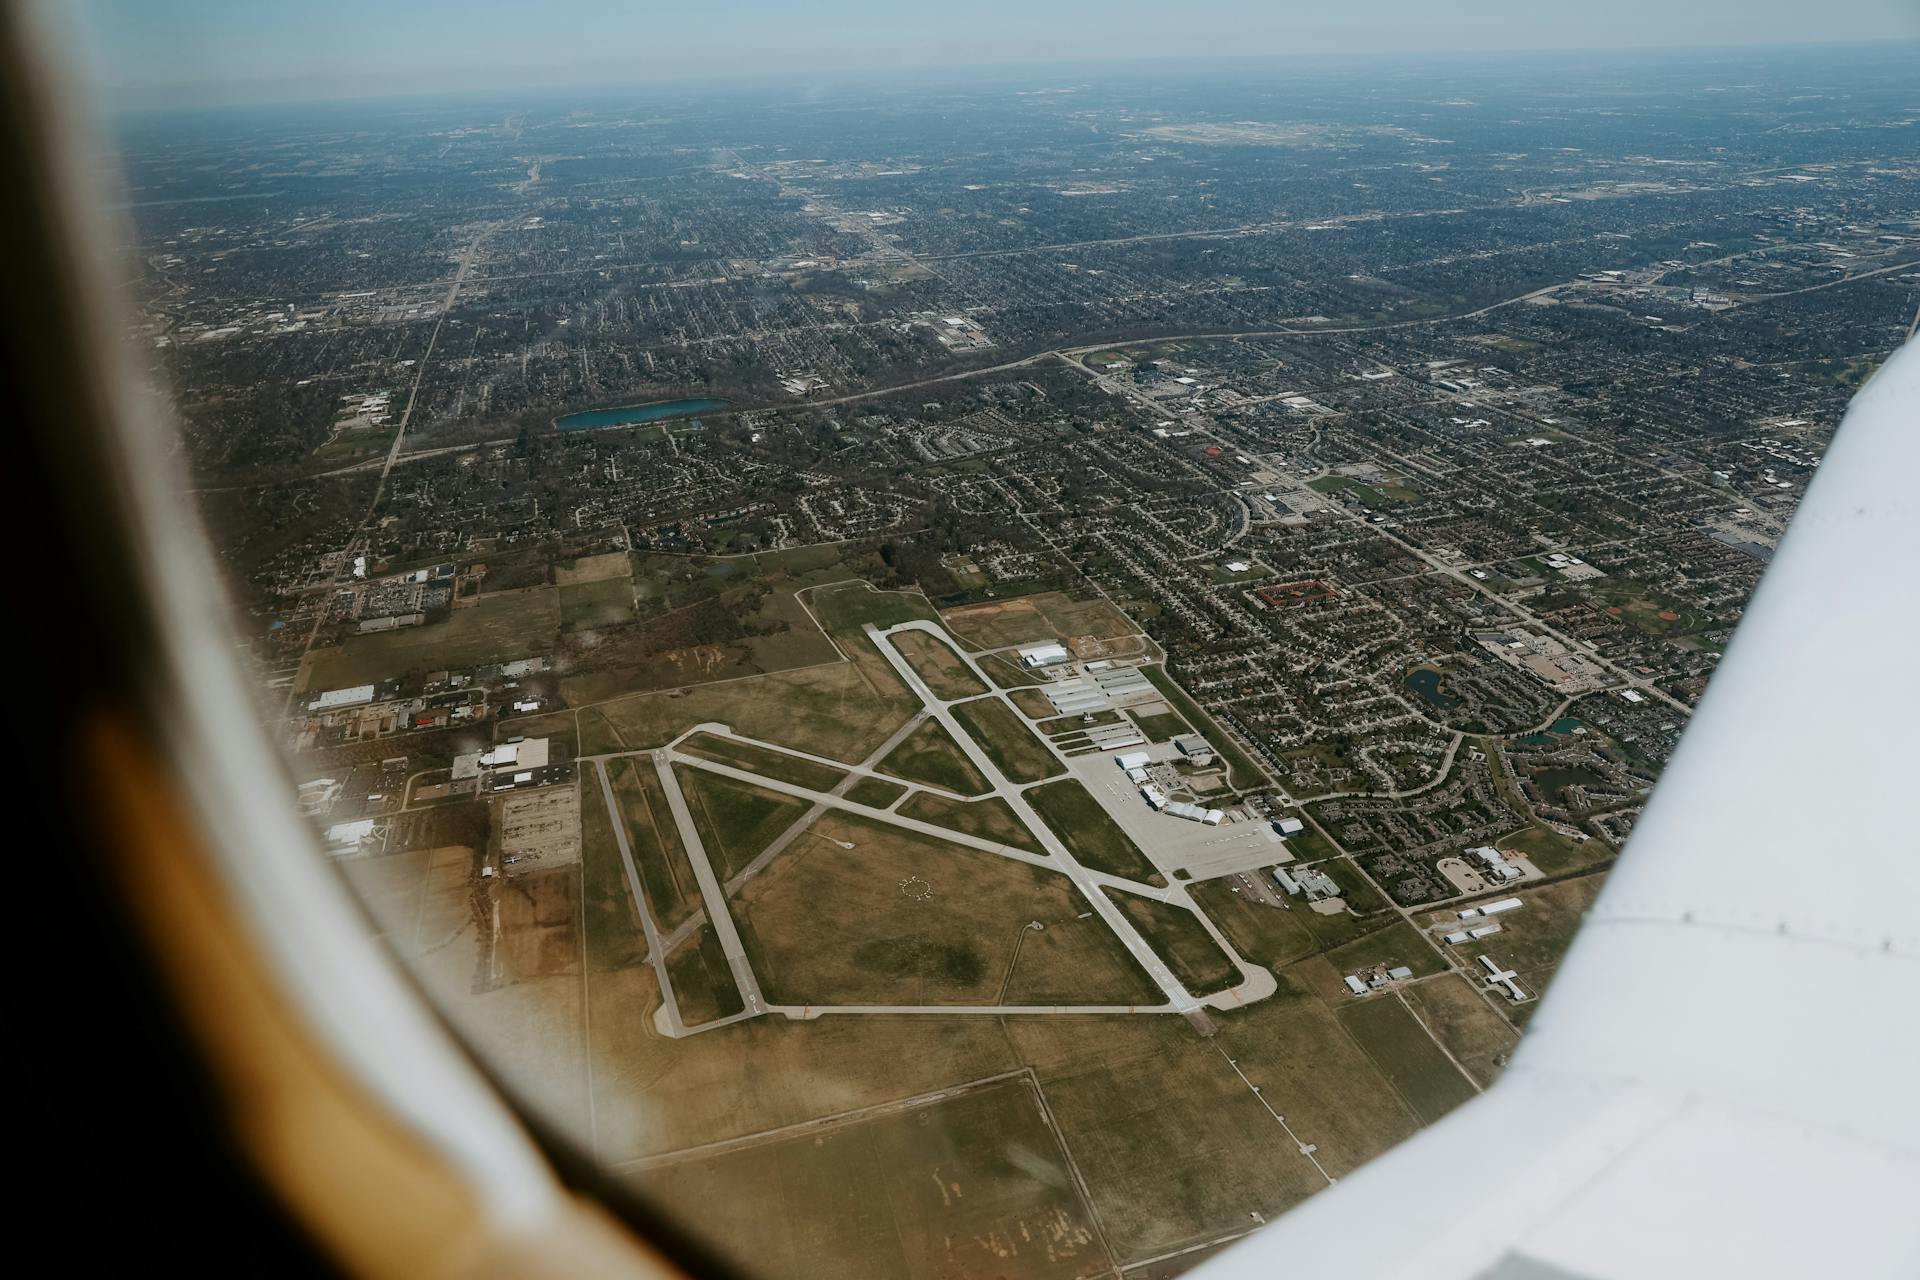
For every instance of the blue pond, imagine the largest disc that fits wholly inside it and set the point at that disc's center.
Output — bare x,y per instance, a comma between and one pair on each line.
627,415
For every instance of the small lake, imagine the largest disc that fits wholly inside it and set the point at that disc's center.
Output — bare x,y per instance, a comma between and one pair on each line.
628,415
1426,682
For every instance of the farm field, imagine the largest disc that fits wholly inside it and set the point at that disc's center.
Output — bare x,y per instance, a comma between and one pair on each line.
1406,1056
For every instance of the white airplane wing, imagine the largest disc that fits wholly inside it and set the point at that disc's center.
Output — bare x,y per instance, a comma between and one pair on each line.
1725,1077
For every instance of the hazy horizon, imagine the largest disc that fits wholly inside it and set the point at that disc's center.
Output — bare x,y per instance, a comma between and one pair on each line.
215,52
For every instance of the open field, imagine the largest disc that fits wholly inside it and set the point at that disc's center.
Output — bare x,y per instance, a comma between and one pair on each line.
1164,727
495,628
610,924
990,819
589,605
1179,938
971,1184
1480,1038
943,670
845,607
1030,619
1006,740
757,759
1271,936
1032,703
842,711
736,820
666,875
902,918
1093,838
600,568
1406,1056
703,984
875,793
558,727
930,755
1554,853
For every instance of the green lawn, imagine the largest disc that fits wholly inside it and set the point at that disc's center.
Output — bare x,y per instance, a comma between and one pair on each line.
1093,838
1178,937
1406,1055
930,755
757,759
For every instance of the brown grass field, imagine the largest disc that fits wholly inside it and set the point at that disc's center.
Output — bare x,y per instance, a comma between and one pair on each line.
1029,619
989,819
842,711
496,628
1004,736
929,755
945,673
829,925
972,1184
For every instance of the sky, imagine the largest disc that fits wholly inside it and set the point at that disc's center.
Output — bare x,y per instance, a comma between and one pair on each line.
192,52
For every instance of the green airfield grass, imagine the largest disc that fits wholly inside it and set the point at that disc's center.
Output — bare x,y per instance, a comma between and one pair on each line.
703,985
760,760
666,875
875,793
736,820
497,628
1094,839
1160,728
930,755
1178,938
824,924
610,926
990,818
1006,674
1406,1056
975,1184
944,671
1007,740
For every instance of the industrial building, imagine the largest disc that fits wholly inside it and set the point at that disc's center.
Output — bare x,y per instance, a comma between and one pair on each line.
334,699
1044,655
